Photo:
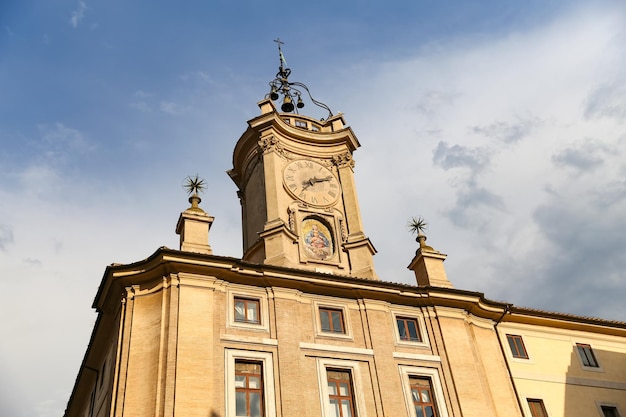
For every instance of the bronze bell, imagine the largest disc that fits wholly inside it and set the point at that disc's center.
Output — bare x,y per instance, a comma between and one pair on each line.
287,105
274,94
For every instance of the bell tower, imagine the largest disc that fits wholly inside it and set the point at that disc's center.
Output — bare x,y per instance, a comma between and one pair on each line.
296,185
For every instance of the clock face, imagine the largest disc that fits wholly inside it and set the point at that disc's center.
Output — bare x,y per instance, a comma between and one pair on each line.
311,182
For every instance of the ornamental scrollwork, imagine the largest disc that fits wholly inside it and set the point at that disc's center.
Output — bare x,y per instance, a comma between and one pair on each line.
270,143
344,232
345,159
292,219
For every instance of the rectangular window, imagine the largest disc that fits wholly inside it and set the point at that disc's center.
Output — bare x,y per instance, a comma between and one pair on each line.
331,320
537,408
422,395
248,389
247,310
408,329
340,393
300,123
517,346
609,411
586,355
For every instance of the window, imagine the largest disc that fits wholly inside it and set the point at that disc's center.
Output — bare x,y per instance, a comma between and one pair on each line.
408,329
340,393
248,389
300,123
517,346
422,395
247,310
586,355
537,408
423,392
609,411
331,320
340,389
249,384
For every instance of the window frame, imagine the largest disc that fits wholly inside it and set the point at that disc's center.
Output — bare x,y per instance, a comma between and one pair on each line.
328,311
330,305
539,402
267,371
251,294
586,348
246,388
338,396
432,403
512,338
325,364
421,328
417,328
602,405
406,372
247,300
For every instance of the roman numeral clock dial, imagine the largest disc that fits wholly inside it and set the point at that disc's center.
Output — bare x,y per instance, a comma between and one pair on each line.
311,182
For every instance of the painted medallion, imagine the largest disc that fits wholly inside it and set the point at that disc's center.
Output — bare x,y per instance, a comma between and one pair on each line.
317,239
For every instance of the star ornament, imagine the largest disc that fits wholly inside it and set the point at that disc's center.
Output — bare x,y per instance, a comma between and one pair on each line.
417,225
194,185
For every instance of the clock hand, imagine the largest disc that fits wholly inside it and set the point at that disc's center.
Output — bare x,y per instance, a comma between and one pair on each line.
306,184
315,179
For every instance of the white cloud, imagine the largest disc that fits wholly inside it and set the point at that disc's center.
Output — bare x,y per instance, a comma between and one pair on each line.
79,14
473,140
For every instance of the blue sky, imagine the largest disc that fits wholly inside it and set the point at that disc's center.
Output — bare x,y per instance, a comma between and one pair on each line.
501,122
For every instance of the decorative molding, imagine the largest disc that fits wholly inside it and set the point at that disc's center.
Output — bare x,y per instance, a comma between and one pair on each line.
354,367
342,229
338,349
267,361
270,143
248,339
344,159
416,356
433,374
291,211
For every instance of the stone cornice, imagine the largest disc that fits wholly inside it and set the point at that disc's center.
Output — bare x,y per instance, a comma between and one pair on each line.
168,261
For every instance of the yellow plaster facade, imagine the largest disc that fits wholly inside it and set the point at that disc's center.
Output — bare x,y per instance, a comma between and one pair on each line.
556,371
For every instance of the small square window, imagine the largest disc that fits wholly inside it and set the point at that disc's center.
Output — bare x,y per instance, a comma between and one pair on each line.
609,411
586,355
537,409
332,320
408,329
315,128
300,123
517,346
247,310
